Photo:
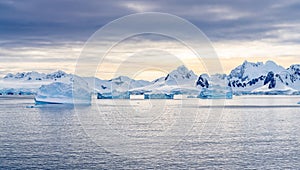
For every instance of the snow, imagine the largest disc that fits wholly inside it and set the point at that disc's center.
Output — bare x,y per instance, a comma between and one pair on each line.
249,70
158,96
114,95
116,85
180,76
28,83
136,97
180,97
178,81
279,90
214,87
216,92
248,78
63,93
117,88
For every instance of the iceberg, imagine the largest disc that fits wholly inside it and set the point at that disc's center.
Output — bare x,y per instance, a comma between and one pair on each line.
216,92
158,96
137,96
104,96
62,93
113,95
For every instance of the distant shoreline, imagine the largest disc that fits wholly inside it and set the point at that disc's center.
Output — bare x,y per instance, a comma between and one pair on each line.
16,96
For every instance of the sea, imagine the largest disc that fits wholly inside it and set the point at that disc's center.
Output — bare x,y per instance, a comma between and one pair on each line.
246,132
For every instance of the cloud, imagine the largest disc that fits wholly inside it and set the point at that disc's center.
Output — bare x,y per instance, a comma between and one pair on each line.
139,6
77,20
35,31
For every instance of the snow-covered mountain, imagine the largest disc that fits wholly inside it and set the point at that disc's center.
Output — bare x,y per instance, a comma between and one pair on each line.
178,81
29,82
35,76
250,76
264,78
291,77
180,76
119,84
249,70
257,78
247,78
204,80
214,86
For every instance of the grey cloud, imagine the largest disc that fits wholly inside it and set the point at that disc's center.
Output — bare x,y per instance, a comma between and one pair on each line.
77,20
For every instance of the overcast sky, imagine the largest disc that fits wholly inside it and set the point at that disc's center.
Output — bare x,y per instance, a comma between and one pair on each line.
46,35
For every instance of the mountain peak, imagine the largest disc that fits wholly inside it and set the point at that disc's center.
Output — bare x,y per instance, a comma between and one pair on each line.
270,63
245,62
181,75
56,74
251,64
250,70
182,69
121,78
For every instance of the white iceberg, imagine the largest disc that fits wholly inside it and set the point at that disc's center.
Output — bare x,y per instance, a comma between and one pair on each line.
62,93
113,95
158,96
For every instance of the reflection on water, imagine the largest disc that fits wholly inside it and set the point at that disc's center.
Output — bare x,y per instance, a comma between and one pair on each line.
228,138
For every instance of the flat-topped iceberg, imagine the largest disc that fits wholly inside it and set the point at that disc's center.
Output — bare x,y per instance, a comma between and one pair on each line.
62,93
158,96
113,95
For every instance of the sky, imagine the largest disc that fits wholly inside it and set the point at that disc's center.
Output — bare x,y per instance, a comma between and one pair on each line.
48,35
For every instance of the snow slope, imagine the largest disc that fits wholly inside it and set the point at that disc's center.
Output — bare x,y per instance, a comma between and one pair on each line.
178,81
260,77
29,82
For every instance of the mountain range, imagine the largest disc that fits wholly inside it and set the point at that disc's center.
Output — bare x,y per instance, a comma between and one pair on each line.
247,78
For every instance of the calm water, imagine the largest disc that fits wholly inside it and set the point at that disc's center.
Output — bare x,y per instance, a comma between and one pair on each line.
249,132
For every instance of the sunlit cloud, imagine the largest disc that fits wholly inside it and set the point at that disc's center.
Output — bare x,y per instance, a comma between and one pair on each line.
139,6
129,54
34,38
